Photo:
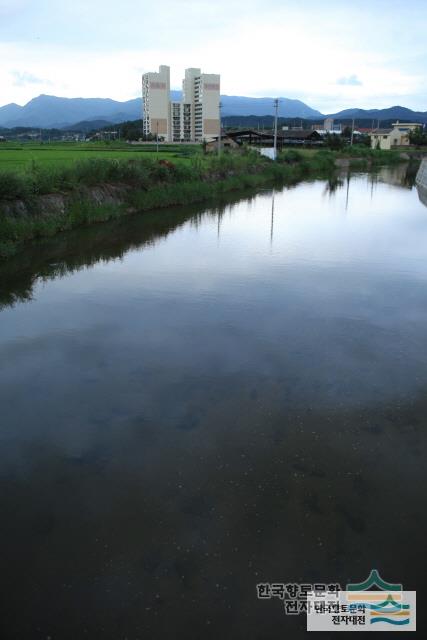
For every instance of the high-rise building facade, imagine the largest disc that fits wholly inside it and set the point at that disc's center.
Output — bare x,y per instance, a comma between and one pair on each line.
155,100
195,118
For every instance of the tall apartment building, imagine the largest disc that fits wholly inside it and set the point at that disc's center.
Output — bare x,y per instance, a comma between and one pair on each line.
181,119
192,119
156,102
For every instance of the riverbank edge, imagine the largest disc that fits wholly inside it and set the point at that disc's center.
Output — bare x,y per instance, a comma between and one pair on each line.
45,215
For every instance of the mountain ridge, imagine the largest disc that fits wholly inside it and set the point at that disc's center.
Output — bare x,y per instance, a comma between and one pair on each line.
55,112
389,113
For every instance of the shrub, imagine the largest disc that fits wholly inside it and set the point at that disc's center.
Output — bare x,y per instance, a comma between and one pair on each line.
290,156
14,185
323,160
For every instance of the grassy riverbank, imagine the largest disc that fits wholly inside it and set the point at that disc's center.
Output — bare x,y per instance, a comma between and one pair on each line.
47,199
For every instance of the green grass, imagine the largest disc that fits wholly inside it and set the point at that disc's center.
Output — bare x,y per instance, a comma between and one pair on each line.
21,157
374,156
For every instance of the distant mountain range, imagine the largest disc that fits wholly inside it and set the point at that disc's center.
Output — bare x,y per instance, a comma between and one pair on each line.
241,106
88,125
53,112
392,113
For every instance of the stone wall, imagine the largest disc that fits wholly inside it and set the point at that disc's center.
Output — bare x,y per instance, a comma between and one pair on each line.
421,178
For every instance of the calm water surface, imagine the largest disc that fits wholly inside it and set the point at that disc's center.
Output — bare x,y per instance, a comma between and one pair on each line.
198,400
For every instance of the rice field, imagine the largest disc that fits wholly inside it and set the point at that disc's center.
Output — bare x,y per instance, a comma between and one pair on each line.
22,157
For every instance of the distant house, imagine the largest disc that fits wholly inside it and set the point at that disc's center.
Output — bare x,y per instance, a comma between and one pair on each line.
397,136
327,127
226,143
381,139
2,139
266,138
300,136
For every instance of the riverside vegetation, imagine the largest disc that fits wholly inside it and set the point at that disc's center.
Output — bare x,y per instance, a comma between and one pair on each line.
46,199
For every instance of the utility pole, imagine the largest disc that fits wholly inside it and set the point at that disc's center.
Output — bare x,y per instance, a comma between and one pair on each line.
219,136
157,137
276,109
352,133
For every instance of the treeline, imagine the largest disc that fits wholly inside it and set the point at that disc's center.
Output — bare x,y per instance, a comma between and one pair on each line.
130,130
267,122
418,137
31,133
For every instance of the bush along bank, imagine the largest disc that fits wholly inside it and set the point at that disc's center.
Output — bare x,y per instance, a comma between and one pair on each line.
45,201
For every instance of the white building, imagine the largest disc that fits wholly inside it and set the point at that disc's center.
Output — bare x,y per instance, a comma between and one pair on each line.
193,119
155,100
398,136
181,122
329,127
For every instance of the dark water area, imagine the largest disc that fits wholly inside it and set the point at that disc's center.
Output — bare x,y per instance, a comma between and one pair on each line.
198,400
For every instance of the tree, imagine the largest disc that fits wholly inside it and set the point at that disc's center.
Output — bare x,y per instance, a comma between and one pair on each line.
418,137
334,141
347,132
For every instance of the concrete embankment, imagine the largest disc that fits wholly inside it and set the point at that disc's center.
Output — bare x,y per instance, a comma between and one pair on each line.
421,182
421,179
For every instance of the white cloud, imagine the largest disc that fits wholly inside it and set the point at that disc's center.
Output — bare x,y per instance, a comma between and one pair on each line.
352,80
260,48
23,78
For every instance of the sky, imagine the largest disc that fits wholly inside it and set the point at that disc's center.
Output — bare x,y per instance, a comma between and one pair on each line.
331,54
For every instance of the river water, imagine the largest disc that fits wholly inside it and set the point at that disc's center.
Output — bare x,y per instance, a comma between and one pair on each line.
198,400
